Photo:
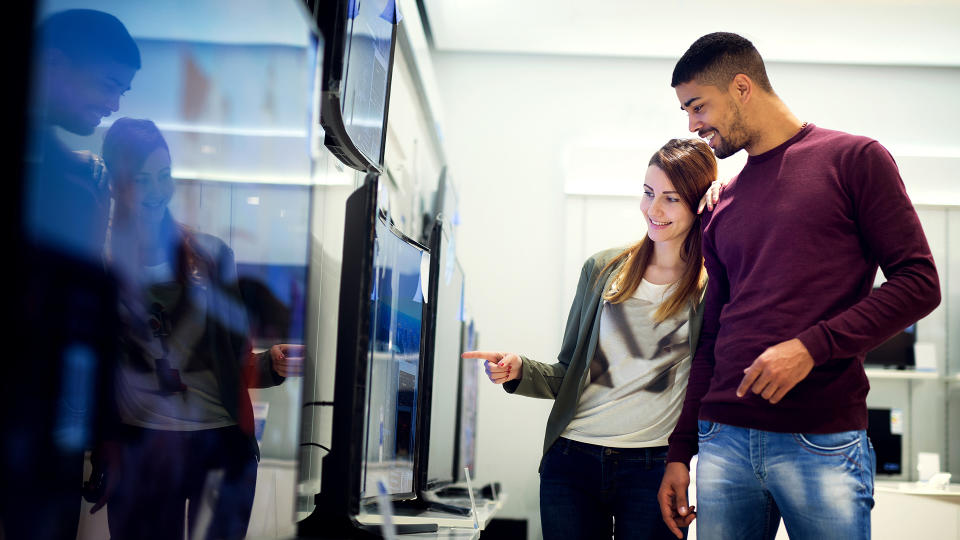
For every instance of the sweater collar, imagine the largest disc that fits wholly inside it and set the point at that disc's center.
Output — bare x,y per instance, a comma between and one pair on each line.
779,150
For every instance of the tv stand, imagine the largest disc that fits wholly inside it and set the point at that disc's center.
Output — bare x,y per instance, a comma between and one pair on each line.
421,504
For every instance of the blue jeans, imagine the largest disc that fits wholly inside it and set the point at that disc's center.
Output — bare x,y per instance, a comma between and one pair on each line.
590,492
821,484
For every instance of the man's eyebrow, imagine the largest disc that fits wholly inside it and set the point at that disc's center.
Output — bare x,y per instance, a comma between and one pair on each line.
688,102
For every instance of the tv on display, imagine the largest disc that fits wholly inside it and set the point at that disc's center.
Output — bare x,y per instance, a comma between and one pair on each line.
359,44
467,406
440,425
376,391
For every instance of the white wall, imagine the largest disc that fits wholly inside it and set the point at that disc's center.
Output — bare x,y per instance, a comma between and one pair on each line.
521,128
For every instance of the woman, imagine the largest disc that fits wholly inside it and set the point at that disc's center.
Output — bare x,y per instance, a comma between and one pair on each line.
185,418
622,372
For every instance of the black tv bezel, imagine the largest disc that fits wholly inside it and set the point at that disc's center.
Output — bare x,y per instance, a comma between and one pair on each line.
343,466
331,18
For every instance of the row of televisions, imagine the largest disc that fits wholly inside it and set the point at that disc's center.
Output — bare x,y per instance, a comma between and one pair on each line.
405,403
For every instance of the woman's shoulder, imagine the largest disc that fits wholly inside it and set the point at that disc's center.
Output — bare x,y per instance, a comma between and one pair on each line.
596,263
600,259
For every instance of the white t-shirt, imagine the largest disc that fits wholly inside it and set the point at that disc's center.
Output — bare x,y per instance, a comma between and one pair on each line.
638,375
139,398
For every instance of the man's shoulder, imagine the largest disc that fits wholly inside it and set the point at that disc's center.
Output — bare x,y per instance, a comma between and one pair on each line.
838,141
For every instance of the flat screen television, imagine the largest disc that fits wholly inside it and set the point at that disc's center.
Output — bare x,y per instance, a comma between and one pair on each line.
895,352
442,364
884,429
466,444
378,374
359,43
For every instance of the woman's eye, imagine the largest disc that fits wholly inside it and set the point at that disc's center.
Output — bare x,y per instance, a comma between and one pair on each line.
673,199
697,108
648,194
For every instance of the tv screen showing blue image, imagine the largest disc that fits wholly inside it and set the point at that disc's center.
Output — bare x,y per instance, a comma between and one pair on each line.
396,315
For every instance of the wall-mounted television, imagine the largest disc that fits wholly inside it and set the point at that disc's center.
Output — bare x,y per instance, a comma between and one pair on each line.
359,43
378,372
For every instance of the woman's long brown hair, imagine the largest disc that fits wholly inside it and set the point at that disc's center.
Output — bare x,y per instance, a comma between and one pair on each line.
691,167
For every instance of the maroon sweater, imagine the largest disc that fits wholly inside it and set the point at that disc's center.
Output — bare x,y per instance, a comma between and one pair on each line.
792,250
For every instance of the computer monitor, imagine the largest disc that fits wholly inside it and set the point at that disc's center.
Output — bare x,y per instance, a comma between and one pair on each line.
442,365
467,406
378,373
896,351
360,39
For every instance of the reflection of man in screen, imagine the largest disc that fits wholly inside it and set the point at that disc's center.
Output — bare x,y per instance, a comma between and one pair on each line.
83,62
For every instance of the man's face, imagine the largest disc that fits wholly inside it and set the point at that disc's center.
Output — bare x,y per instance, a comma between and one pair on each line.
715,116
83,93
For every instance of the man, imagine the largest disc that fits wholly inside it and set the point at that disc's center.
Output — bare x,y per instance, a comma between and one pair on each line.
792,249
56,384
84,62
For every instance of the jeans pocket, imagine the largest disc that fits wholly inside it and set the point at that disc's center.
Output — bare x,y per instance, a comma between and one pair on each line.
706,429
828,443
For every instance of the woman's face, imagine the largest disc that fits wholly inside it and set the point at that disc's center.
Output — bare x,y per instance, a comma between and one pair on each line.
152,187
668,217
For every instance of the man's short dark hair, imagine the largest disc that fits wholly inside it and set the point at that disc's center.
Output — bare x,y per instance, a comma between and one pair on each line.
89,35
715,59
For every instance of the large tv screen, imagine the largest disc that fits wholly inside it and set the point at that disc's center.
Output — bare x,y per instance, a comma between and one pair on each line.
396,317
446,288
376,407
360,38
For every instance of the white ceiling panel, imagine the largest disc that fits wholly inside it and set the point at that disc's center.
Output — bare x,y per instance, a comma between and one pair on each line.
898,32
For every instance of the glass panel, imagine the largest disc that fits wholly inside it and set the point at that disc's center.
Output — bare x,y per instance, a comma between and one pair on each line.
167,203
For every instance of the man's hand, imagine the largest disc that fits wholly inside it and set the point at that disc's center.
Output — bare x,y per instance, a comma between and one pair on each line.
500,366
712,196
287,359
777,371
673,498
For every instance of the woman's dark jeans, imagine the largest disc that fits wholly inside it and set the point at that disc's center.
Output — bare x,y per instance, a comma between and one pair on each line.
591,492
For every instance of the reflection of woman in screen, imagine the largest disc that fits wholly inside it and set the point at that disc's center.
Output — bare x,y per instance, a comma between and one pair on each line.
622,373
186,422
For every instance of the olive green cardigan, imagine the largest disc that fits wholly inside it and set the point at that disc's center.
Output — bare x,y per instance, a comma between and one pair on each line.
565,380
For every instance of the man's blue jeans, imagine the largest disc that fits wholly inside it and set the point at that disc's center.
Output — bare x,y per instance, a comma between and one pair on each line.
821,484
589,492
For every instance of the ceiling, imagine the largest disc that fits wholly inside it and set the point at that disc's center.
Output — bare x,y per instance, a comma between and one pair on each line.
890,32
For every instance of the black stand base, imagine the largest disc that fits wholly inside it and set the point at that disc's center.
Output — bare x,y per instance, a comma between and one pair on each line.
420,505
486,492
326,526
